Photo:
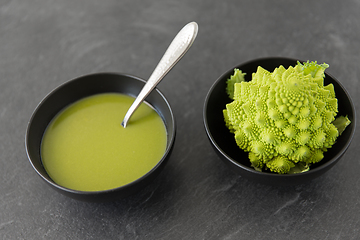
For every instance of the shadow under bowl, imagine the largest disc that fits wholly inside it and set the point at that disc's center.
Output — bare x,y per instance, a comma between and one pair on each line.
82,87
224,143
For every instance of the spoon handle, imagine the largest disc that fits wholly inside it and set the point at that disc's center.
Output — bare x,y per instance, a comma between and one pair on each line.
177,49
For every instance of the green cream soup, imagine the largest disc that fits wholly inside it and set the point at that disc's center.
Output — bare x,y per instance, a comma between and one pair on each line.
86,148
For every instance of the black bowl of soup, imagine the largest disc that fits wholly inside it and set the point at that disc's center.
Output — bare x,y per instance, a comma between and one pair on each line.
76,144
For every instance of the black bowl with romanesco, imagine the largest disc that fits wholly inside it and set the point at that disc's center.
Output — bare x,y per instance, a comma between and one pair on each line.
279,117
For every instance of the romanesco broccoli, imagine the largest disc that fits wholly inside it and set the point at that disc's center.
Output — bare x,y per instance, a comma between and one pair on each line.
285,119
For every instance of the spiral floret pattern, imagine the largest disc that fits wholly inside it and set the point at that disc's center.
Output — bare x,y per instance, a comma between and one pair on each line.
284,117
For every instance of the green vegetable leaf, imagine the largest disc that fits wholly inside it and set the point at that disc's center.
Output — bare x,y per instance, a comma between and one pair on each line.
299,168
341,123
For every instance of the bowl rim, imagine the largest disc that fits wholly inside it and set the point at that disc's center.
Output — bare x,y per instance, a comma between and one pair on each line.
252,170
128,185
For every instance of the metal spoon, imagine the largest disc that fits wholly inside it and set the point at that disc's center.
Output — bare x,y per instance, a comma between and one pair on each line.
177,49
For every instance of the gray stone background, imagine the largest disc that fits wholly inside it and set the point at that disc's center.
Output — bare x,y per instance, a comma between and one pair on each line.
44,43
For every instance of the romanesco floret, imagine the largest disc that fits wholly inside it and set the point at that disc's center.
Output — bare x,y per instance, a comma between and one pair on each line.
285,119
237,77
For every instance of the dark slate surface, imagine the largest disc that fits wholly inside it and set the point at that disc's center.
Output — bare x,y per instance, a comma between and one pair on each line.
44,43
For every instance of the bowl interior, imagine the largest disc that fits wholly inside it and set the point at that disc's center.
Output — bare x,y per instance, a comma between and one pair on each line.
79,88
223,141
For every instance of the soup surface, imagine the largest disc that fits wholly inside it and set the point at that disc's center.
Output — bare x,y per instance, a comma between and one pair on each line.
86,148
